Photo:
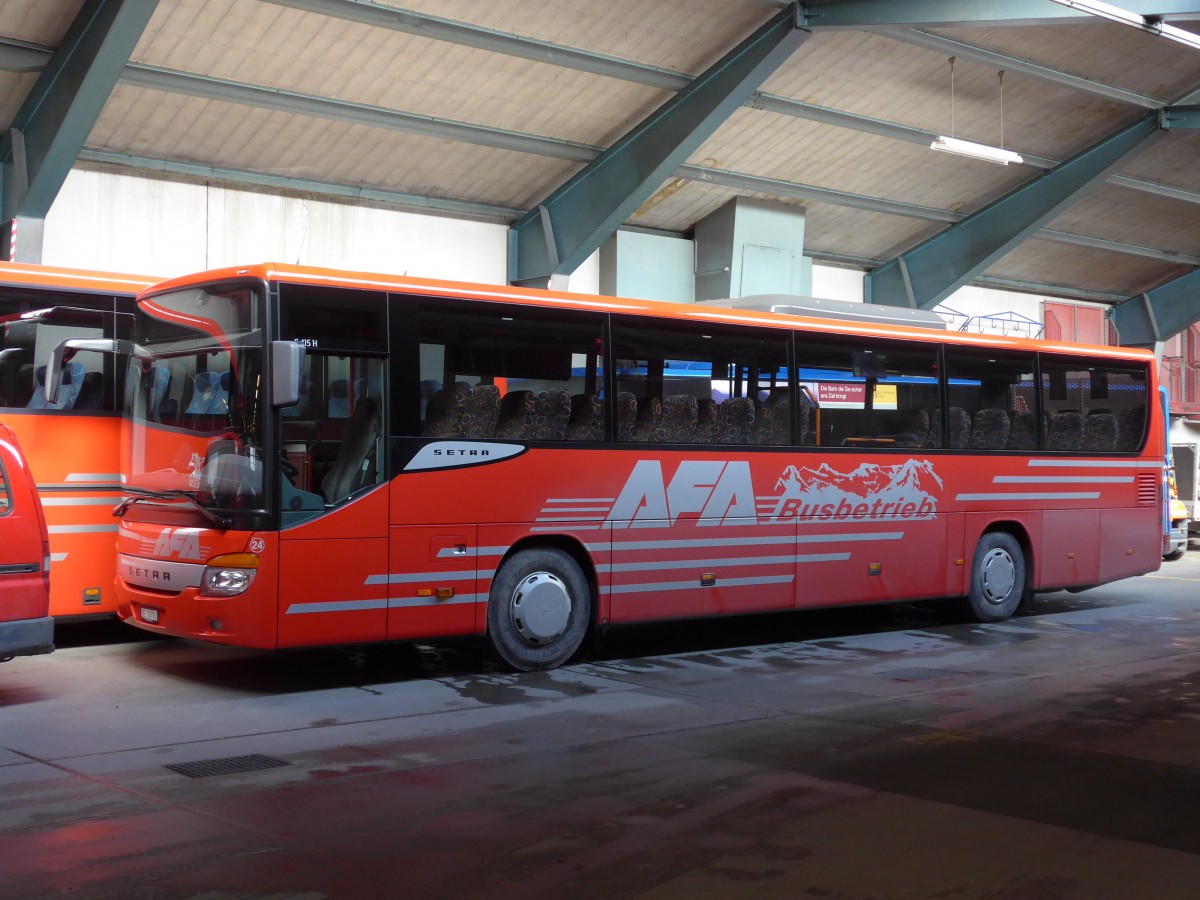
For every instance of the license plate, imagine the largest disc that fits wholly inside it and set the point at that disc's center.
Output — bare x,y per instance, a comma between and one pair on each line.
150,615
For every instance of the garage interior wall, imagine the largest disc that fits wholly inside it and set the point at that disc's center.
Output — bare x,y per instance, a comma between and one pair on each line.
161,227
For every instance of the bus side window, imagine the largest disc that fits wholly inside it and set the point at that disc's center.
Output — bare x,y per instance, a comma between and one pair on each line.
510,374
993,401
1093,408
869,394
701,385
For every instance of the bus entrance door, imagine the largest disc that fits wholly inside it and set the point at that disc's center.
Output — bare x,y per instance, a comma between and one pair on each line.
333,579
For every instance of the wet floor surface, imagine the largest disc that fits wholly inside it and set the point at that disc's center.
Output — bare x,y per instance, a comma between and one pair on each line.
895,752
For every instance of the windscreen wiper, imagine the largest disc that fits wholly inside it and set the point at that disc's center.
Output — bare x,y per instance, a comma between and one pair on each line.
222,522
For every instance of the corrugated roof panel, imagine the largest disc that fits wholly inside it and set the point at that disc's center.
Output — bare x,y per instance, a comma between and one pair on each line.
220,134
876,75
871,75
1117,214
775,146
1052,263
859,233
393,70
686,37
1102,51
37,21
1169,159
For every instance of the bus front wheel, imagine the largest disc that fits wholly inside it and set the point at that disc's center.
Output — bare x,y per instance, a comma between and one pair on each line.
997,577
538,609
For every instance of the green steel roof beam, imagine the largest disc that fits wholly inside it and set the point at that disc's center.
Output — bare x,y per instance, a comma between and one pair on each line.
1158,314
557,235
22,56
860,14
226,91
19,56
936,268
439,29
1166,310
1014,64
50,128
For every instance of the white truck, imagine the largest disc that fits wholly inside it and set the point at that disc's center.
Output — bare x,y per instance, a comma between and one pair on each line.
1186,458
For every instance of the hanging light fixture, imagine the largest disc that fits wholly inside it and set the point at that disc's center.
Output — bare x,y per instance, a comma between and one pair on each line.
958,146
1149,24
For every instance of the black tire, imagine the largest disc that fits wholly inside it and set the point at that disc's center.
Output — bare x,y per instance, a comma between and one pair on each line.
997,577
1174,554
539,609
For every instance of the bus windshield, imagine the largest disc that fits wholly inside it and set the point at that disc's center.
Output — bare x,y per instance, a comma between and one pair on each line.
195,383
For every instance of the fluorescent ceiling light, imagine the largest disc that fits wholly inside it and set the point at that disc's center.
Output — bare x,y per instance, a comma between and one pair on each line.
1142,23
976,151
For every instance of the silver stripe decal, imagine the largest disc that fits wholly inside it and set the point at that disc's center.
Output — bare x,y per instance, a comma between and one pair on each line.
408,602
109,488
568,520
472,552
1065,495
81,501
693,586
1095,463
395,603
335,606
412,577
868,536
81,529
780,540
719,563
419,576
58,557
1063,479
96,476
574,526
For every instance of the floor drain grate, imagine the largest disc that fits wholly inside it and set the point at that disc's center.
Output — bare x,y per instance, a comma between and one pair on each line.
230,765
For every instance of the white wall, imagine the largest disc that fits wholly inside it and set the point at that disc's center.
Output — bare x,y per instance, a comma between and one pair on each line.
127,223
159,226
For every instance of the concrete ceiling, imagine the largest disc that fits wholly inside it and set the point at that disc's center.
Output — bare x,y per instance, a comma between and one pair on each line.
484,109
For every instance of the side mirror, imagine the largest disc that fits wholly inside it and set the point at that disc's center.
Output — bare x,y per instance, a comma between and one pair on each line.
287,365
54,367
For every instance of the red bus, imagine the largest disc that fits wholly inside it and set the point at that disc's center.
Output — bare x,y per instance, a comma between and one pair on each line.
73,444
340,458
26,628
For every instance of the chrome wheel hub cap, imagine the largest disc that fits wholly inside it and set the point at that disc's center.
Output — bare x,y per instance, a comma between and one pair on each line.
999,575
540,607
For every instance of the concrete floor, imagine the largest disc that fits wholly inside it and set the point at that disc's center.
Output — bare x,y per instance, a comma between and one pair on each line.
878,753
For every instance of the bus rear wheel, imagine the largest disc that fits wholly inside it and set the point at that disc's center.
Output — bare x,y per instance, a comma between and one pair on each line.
538,610
997,577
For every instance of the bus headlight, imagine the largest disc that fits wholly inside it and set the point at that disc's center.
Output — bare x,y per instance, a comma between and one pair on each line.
228,575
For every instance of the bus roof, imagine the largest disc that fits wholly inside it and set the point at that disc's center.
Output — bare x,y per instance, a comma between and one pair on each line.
15,274
697,312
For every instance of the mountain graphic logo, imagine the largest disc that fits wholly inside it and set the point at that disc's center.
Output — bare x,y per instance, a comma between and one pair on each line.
907,491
